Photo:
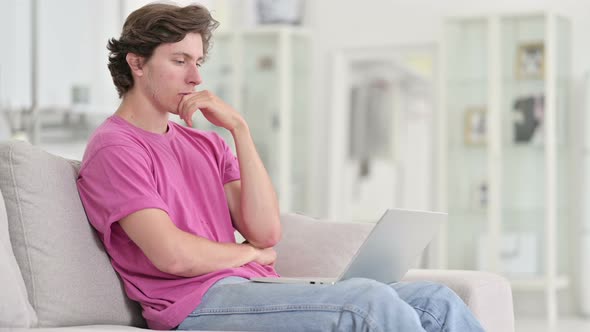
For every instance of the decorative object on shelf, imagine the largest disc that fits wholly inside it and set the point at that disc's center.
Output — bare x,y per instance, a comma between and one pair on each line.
280,11
530,61
80,94
266,63
481,194
528,119
475,126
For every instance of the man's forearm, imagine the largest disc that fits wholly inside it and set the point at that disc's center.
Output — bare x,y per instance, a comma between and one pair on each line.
197,255
260,215
181,253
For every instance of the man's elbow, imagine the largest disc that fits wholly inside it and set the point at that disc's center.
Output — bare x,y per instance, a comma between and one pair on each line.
173,262
269,239
170,265
274,238
181,269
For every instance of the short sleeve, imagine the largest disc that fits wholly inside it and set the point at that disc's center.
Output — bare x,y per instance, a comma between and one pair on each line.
115,182
228,163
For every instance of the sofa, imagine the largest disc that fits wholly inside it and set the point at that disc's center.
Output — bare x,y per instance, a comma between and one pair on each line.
56,275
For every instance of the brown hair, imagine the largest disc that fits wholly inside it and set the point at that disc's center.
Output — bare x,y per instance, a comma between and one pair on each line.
152,25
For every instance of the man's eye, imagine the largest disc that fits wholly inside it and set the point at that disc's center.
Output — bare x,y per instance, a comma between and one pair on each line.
199,64
180,62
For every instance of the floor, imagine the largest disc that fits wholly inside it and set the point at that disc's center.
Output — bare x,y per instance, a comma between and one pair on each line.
569,324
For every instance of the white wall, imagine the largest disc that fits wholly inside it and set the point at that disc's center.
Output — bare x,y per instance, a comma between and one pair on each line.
72,35
72,50
72,41
15,53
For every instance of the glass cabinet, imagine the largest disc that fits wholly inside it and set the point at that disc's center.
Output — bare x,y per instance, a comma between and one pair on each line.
505,153
264,73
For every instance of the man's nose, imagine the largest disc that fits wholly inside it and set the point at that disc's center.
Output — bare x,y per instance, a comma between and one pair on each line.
194,76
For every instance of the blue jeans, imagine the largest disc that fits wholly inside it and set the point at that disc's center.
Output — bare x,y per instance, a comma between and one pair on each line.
238,304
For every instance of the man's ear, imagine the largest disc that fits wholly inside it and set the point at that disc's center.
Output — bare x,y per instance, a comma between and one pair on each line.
135,62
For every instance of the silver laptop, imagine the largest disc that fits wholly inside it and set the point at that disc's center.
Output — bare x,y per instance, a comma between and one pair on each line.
388,252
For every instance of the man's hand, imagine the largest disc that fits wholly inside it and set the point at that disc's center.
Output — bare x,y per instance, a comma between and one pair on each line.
213,108
266,256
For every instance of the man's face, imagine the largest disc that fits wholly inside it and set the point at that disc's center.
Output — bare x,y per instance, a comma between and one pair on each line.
172,71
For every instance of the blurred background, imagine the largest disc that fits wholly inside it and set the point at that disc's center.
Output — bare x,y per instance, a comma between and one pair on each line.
476,108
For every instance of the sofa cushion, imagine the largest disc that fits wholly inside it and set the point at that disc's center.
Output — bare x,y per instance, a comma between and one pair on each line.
317,248
15,309
66,271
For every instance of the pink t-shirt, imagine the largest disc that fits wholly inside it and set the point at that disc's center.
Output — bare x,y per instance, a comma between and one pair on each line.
182,172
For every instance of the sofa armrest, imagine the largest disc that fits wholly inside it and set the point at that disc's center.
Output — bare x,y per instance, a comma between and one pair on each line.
488,295
319,248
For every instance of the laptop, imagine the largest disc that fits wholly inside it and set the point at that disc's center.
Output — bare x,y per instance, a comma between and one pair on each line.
388,252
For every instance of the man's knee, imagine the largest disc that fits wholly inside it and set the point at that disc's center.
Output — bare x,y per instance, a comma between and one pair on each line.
371,295
437,305
441,292
428,293
383,308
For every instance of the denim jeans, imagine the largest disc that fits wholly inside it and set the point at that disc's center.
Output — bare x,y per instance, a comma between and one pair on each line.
237,304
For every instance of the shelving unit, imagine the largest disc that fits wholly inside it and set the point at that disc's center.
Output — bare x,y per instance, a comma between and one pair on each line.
264,73
504,148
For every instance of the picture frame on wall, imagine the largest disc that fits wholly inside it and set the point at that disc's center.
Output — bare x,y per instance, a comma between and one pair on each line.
475,132
530,61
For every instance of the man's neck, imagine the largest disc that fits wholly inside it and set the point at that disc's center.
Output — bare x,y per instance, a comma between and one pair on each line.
138,111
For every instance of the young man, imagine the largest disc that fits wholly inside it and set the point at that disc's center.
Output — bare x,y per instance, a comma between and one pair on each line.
166,199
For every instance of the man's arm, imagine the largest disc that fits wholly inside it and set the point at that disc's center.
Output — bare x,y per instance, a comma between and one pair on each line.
176,252
252,200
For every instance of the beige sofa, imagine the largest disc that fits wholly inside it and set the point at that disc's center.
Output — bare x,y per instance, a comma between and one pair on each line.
56,276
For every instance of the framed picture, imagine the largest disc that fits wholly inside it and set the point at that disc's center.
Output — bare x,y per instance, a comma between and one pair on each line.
475,126
528,118
530,61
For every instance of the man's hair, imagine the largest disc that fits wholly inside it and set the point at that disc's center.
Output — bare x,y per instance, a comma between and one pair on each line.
152,25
